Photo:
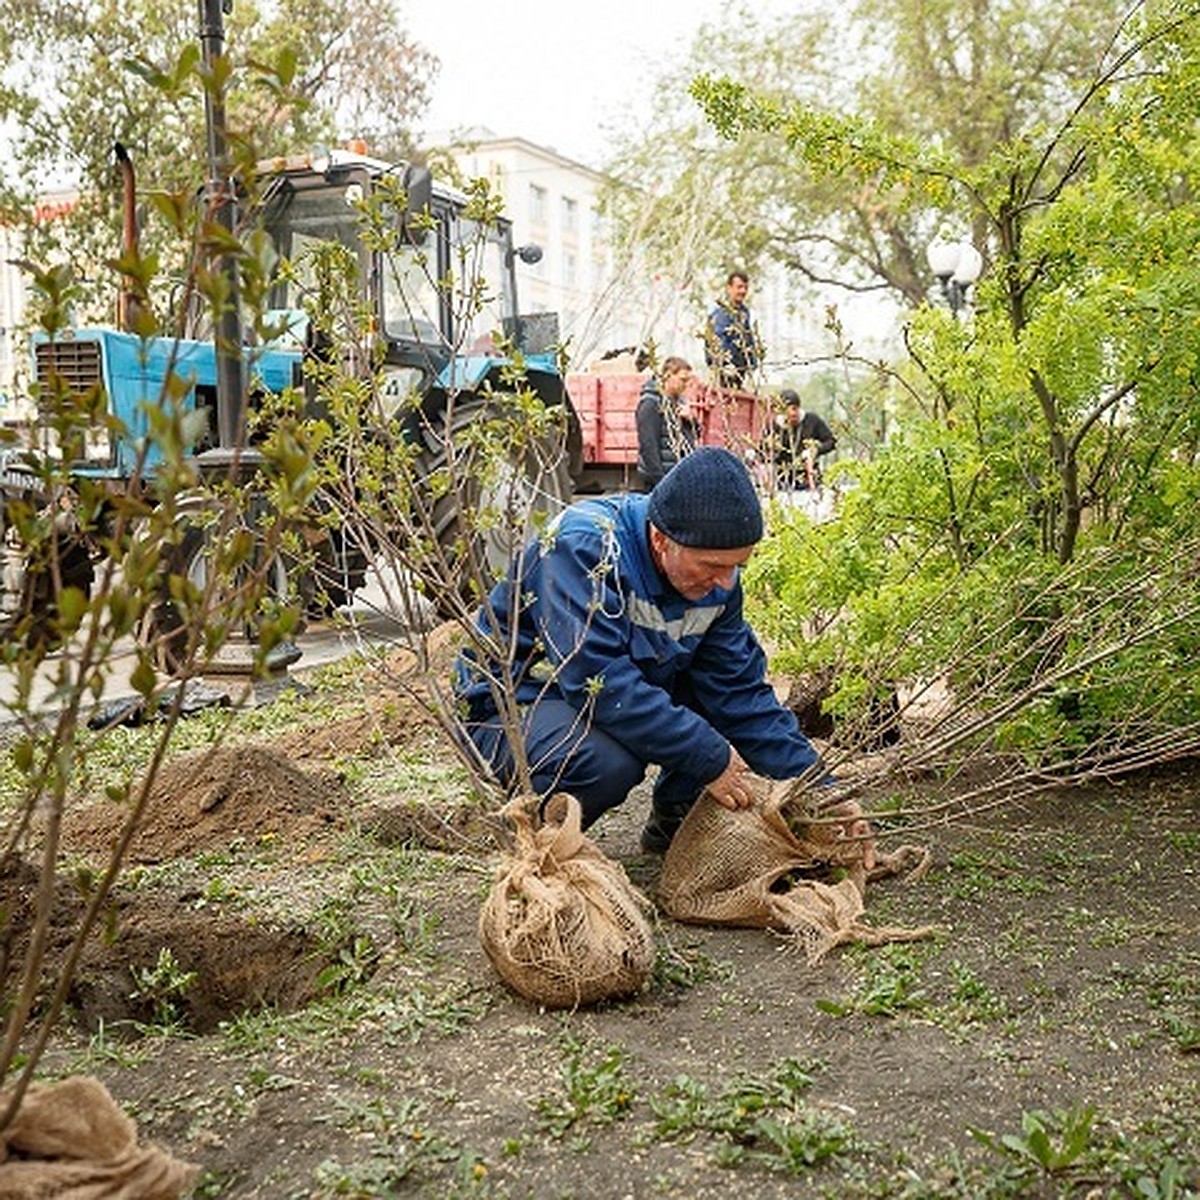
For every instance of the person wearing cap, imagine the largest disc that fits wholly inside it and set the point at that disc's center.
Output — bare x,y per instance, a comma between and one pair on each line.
666,427
798,439
626,646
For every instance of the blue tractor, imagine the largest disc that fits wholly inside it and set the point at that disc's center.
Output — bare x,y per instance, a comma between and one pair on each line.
455,360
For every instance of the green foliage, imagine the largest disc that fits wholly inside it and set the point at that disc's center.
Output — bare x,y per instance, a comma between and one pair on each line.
595,1090
890,986
133,73
1020,539
163,986
685,966
1052,1142
411,1152
754,1120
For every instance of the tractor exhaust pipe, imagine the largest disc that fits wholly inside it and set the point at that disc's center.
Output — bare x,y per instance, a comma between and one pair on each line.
128,302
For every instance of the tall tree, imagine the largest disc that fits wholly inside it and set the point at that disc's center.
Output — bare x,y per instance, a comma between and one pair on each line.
960,75
1073,332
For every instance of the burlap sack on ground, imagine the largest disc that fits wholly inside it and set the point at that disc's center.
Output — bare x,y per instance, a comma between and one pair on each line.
749,868
70,1139
562,924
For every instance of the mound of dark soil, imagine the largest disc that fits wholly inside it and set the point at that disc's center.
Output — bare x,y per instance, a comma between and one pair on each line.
462,827
394,719
207,800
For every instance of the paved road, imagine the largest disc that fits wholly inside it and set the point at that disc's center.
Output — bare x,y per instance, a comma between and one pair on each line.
371,622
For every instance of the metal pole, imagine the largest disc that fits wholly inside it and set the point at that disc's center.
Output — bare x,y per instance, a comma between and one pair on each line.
236,657
221,198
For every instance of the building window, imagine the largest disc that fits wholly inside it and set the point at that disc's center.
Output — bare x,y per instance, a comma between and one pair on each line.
570,270
570,215
537,204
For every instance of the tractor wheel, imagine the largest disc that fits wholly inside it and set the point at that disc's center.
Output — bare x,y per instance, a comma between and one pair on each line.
28,604
496,507
174,645
338,570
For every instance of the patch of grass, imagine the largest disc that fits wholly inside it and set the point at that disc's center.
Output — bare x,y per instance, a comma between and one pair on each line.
973,874
1188,842
426,775
378,1115
890,985
1171,992
416,1157
972,1001
400,1014
104,1050
1159,1159
409,1014
1048,1141
754,1120
685,966
595,1090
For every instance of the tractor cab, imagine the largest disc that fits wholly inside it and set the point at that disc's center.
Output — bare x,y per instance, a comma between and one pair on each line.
439,286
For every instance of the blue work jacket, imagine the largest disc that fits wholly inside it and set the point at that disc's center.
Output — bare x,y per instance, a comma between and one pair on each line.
598,626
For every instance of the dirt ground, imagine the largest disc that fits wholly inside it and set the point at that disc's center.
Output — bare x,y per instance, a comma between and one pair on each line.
325,1022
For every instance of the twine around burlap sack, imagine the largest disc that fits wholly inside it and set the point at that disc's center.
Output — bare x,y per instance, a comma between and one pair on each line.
70,1139
750,868
562,924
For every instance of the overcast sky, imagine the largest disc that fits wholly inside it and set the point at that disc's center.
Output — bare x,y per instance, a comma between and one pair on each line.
561,73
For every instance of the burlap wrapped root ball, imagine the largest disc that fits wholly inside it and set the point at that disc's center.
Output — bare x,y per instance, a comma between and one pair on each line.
773,867
562,925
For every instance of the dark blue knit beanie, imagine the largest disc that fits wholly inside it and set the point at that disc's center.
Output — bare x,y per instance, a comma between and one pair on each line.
707,501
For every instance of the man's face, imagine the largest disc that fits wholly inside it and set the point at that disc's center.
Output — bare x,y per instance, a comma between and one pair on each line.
737,289
793,415
693,572
675,384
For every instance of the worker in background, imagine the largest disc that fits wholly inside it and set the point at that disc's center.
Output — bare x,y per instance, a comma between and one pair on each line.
731,344
666,427
797,439
620,628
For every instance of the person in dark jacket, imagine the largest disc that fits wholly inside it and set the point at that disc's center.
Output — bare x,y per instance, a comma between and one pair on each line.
630,649
731,344
797,441
666,428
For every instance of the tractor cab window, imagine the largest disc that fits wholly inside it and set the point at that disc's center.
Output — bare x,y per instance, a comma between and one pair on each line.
462,271
315,232
482,266
411,302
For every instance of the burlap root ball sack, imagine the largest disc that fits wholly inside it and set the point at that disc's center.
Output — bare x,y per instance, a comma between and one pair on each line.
562,924
69,1139
752,868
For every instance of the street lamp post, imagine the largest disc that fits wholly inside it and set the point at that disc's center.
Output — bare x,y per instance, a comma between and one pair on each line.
957,266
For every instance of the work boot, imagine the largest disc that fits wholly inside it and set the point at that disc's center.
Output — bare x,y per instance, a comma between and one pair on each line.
658,832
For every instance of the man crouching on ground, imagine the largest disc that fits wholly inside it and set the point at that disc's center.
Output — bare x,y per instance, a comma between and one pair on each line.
630,648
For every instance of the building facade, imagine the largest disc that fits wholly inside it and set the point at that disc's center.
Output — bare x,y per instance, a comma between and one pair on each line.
554,202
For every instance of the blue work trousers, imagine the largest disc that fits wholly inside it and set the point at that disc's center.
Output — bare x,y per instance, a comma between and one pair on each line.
567,754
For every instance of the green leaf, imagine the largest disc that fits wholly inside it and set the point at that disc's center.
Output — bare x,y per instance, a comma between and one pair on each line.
834,1008
23,754
144,678
72,605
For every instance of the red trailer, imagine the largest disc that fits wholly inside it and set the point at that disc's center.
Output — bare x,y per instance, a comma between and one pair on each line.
607,405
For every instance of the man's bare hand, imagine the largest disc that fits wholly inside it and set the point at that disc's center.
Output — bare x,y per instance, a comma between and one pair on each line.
732,789
852,827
